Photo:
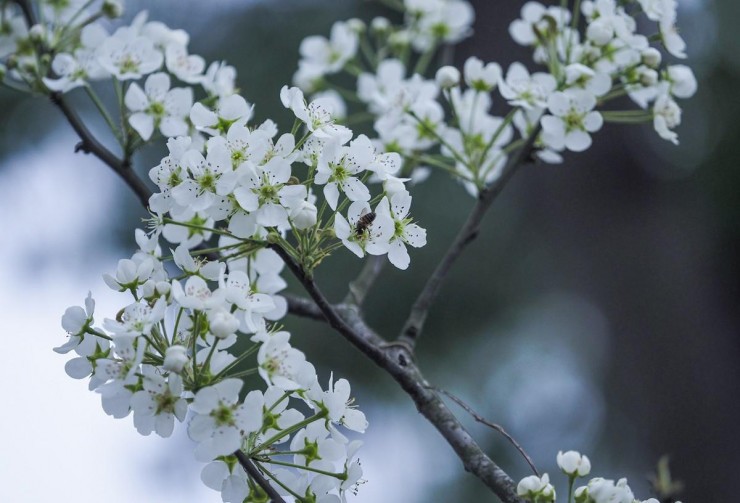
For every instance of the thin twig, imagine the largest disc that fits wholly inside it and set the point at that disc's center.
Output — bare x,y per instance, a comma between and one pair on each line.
483,420
258,477
398,362
415,321
360,287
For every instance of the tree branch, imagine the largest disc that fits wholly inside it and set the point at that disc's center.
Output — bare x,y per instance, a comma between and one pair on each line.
415,321
303,307
258,477
88,143
397,360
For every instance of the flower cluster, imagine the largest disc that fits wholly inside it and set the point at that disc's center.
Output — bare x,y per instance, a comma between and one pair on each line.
236,200
538,489
177,350
589,58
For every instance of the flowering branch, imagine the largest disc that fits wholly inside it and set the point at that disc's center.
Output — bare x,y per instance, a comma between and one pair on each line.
88,143
397,361
415,322
257,476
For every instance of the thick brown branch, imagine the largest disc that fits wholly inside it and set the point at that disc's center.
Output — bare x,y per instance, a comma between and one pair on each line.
415,322
397,360
258,477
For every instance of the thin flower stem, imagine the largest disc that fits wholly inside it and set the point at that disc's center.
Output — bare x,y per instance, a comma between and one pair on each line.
290,430
257,476
415,321
103,112
298,497
249,352
571,481
423,62
307,468
242,373
441,140
94,332
207,363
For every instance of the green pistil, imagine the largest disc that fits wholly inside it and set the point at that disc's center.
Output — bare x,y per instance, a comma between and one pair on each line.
481,86
166,403
271,366
267,193
334,56
475,143
223,125
573,121
223,415
440,30
340,173
425,129
398,229
156,109
393,146
237,157
173,180
128,65
207,181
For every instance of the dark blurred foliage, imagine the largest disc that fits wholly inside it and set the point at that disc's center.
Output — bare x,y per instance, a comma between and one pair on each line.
644,233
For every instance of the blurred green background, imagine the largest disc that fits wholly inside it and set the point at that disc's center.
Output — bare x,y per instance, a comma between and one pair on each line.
597,311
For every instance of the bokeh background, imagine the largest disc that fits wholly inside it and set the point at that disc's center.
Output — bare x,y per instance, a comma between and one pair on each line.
597,311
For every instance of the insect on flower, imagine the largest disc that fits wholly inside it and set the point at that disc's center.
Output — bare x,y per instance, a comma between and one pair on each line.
364,222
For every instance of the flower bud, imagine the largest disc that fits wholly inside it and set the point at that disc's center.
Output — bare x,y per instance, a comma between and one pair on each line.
175,358
651,57
573,464
304,215
222,323
399,39
12,62
112,9
534,488
447,77
581,495
600,31
356,25
380,24
37,33
682,80
393,185
648,77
